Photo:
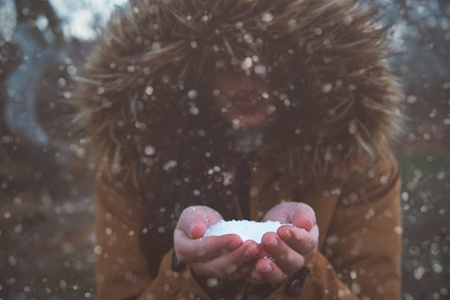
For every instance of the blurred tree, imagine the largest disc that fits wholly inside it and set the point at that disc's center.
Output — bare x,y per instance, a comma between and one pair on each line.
33,103
421,31
39,46
38,83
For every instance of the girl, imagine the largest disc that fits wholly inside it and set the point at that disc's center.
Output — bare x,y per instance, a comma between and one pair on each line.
282,110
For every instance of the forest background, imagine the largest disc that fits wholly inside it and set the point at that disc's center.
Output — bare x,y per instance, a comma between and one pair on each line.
46,185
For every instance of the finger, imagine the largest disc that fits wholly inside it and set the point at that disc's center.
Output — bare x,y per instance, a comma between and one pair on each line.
279,213
300,240
299,214
286,258
231,264
255,275
194,220
204,270
304,218
189,250
267,271
242,271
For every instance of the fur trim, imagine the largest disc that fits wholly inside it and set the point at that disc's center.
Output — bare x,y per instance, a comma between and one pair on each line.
341,96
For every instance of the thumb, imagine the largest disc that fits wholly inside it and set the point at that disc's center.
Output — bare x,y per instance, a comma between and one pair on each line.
304,217
299,214
194,220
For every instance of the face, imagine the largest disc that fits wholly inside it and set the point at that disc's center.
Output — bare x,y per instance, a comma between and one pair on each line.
244,100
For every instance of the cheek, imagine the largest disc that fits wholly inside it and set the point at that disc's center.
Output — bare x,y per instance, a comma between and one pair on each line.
227,90
227,85
222,101
221,105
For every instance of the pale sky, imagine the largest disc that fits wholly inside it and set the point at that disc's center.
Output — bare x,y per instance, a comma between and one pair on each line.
80,14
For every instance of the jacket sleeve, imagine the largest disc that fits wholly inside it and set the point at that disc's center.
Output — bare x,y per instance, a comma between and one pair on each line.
361,257
122,269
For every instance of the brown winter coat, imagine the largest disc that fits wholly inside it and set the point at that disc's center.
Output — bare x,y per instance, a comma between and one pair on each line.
328,149
359,250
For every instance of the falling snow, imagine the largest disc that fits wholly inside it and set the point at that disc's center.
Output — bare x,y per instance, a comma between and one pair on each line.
49,248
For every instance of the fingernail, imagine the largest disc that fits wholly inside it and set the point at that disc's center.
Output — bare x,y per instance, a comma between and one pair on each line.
268,269
287,234
310,225
273,242
249,253
193,227
234,245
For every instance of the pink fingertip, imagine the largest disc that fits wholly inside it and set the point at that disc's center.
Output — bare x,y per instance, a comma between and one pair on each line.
256,276
308,225
235,244
268,269
303,221
285,234
197,231
268,237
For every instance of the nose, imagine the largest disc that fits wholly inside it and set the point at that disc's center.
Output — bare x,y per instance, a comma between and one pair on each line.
246,83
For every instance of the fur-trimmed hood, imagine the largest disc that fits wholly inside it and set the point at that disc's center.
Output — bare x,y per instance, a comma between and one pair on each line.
341,97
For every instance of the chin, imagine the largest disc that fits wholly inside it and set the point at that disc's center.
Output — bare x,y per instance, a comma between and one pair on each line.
252,124
249,121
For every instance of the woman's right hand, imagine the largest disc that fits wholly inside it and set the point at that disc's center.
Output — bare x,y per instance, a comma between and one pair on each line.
222,257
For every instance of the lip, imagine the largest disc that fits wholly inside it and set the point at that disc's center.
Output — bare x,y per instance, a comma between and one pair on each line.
246,102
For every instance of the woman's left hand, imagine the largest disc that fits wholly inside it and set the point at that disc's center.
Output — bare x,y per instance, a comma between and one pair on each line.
286,251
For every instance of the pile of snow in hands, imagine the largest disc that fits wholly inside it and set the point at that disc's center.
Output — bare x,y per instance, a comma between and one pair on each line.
247,230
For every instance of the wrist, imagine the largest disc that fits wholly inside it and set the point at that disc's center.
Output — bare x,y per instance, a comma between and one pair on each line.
176,265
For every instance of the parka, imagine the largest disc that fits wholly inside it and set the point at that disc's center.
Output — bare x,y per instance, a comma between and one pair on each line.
143,108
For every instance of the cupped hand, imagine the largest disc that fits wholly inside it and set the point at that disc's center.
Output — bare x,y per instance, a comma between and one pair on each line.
287,250
223,257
